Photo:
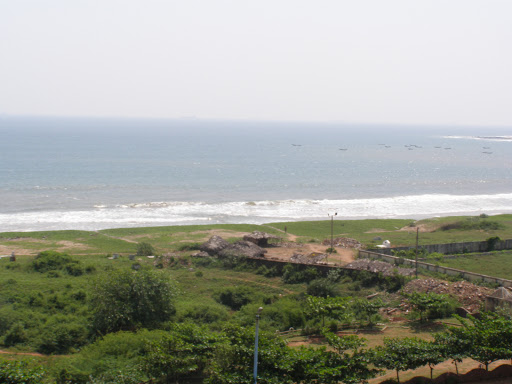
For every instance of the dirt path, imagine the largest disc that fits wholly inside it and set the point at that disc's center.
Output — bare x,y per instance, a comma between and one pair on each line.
22,353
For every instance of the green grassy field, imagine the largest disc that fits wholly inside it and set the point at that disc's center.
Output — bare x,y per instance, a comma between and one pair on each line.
401,232
497,264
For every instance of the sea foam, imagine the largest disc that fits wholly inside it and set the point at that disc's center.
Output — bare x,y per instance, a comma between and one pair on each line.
256,212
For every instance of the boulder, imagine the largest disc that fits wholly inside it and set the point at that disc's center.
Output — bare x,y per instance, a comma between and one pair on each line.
242,249
214,245
259,238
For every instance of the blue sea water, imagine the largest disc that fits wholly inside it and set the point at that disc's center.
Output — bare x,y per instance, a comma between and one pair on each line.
72,173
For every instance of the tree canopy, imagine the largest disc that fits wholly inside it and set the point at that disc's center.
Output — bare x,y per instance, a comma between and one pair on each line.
130,299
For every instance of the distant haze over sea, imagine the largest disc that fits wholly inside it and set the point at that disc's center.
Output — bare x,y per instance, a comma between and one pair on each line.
65,173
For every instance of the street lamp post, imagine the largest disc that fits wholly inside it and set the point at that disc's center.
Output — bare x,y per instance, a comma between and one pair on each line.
256,344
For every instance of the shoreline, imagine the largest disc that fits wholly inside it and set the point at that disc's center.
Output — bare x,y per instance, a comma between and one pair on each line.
412,207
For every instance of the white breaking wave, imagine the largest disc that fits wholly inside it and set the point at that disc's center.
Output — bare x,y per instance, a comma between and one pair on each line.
256,212
488,138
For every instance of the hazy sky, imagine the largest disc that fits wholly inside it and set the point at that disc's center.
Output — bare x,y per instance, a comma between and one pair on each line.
393,61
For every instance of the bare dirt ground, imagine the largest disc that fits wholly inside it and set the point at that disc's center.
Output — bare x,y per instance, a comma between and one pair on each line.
447,366
290,246
62,246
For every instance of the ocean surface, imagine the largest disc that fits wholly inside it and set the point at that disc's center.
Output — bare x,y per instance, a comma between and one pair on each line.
71,173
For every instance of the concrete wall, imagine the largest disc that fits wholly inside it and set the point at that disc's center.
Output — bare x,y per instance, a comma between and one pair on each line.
451,248
471,276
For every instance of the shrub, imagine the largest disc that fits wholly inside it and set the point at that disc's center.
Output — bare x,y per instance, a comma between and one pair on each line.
127,300
478,223
15,335
322,288
189,247
74,270
51,260
145,249
235,297
294,274
18,372
204,313
62,334
491,243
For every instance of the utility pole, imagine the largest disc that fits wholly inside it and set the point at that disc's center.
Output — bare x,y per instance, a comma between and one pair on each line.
332,233
417,238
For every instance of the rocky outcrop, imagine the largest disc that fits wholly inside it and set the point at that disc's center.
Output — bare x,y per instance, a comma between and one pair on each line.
260,238
214,245
242,249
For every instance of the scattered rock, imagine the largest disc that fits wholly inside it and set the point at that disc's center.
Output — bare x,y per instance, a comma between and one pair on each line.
260,238
343,242
379,266
242,249
214,245
471,296
312,258
201,254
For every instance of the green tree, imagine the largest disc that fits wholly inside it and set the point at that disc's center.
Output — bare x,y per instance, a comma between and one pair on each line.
183,352
400,354
436,305
368,308
319,307
484,339
451,348
233,359
128,299
353,360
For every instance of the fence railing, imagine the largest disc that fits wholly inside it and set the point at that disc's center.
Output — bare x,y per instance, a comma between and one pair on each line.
399,261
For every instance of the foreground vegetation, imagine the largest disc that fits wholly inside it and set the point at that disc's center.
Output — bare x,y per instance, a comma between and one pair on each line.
95,318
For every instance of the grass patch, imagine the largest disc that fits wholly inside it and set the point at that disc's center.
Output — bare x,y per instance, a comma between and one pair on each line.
497,264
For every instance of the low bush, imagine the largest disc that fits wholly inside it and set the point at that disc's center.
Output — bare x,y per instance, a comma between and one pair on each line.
473,223
203,313
322,288
235,297
145,249
19,372
295,274
51,261
189,247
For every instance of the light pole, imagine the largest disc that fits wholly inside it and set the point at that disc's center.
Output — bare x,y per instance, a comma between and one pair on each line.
332,233
256,344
